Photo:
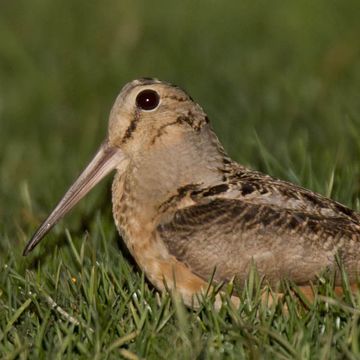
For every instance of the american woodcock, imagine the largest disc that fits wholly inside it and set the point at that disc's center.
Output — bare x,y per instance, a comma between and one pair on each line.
188,213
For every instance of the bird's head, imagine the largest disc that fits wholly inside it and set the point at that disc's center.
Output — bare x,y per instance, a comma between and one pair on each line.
148,113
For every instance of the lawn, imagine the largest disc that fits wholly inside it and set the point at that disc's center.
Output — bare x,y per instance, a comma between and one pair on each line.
280,82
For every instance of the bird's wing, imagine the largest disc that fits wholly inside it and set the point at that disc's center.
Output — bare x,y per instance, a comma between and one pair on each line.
257,188
286,239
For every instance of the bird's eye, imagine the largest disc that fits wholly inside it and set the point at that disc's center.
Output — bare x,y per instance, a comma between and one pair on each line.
147,99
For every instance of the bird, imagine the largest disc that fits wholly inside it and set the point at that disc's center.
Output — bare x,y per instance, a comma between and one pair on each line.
189,214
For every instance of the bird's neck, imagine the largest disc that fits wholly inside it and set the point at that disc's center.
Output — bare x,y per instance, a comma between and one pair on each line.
167,166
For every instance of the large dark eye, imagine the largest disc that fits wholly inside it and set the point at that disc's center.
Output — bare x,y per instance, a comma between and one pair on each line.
147,99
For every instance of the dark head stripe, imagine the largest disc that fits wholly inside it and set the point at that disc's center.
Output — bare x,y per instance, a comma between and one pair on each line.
132,127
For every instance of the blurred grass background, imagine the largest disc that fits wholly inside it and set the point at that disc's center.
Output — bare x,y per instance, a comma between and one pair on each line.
280,82
285,78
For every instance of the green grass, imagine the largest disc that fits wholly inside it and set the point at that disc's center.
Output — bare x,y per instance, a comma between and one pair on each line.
281,84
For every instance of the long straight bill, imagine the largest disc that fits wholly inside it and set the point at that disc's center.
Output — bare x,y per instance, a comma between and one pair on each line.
105,160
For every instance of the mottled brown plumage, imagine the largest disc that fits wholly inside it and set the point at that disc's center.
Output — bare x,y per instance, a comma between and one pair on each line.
184,208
